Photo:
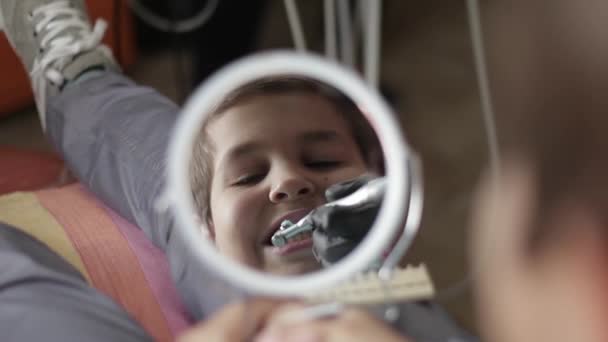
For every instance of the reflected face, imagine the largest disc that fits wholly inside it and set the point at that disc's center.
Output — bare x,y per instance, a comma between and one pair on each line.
274,156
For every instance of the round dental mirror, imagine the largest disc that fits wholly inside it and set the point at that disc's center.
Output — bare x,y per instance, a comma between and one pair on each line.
274,105
262,163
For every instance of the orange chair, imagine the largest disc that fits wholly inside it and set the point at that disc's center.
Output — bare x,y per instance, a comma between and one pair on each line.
23,170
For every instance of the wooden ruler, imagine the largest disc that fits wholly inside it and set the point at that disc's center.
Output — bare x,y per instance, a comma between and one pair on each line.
407,284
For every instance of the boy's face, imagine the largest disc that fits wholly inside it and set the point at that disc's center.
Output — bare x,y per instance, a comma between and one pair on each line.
274,156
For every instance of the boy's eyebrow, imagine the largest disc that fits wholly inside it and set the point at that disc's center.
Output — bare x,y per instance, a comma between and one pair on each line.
242,150
306,137
321,135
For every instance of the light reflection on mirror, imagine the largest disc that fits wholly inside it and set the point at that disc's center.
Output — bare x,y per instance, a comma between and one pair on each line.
266,154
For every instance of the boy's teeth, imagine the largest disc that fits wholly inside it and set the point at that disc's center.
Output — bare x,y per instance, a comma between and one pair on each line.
302,236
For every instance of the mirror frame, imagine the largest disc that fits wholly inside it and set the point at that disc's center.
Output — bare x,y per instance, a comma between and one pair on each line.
389,222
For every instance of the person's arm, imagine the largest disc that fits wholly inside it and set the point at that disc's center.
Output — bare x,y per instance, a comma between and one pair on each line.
114,136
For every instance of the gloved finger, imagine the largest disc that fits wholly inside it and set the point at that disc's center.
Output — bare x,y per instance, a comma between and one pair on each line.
345,222
346,188
329,250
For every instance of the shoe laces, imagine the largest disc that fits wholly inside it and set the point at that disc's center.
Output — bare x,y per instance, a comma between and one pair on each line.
66,34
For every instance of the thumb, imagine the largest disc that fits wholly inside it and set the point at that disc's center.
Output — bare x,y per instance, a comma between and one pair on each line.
236,322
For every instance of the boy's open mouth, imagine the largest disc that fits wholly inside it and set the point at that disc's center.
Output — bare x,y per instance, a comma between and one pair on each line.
295,243
300,237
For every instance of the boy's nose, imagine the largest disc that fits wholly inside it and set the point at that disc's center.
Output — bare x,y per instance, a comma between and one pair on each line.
291,189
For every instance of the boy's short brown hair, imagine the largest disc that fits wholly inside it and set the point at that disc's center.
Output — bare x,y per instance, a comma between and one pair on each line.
201,167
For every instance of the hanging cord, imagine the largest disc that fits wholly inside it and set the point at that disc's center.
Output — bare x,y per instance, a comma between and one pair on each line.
489,121
347,54
360,16
117,20
329,12
484,84
179,69
295,25
372,40
359,21
170,25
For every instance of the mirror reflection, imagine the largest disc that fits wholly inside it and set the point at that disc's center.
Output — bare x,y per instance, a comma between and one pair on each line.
286,175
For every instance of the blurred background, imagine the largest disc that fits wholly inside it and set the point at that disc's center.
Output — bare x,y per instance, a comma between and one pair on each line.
427,73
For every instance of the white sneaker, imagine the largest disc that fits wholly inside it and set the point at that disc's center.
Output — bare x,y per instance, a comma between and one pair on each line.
55,42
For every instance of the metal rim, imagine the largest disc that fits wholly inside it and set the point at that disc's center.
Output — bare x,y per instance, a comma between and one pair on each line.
396,152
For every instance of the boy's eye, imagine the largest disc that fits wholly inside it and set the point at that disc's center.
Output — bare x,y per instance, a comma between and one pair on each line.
324,164
248,180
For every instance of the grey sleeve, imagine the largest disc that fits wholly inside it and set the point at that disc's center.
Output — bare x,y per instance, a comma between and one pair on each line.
114,136
429,322
43,298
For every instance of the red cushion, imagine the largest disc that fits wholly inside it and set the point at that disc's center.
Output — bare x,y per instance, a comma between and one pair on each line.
22,169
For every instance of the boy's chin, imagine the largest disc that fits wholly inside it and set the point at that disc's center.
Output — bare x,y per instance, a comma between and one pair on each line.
290,266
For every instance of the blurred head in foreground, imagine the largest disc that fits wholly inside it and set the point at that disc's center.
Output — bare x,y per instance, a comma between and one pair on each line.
540,246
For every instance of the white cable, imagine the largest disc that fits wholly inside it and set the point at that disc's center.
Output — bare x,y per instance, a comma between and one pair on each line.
484,85
330,29
295,25
372,42
359,22
1,21
347,53
461,287
361,13
179,26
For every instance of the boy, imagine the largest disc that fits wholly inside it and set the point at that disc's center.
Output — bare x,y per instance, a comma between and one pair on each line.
113,135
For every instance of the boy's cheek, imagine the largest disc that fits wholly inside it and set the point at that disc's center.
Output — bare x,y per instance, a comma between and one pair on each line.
239,247
237,223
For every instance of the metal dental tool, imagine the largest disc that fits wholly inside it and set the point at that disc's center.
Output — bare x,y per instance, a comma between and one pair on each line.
374,190
288,230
